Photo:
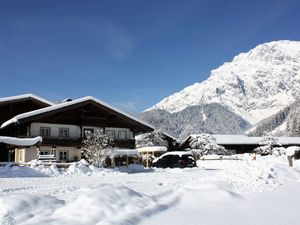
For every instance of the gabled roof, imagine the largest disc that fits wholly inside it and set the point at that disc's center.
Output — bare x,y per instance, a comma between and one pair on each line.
64,105
25,97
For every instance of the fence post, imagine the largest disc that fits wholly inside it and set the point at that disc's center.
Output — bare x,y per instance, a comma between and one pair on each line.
290,159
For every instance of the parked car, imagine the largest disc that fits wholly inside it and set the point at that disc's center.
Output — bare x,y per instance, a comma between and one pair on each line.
176,159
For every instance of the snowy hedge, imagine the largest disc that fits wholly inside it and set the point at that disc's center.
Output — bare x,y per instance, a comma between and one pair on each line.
267,146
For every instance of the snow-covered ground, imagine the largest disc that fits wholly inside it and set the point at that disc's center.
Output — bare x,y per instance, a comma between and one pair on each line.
261,192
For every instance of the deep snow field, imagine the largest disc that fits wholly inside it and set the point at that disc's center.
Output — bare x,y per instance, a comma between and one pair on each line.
228,192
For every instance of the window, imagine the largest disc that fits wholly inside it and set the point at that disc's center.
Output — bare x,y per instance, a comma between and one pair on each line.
63,155
122,135
110,134
44,152
45,131
63,132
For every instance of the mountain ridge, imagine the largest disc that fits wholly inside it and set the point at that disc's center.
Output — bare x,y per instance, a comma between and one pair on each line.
209,118
254,85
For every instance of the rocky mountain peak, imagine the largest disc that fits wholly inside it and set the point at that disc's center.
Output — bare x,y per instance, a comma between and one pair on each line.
254,85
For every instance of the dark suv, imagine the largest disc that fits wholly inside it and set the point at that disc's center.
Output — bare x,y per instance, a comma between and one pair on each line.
175,160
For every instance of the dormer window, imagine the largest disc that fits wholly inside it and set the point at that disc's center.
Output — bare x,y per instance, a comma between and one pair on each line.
45,131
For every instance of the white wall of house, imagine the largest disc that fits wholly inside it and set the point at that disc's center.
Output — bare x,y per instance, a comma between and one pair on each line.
74,131
28,154
25,154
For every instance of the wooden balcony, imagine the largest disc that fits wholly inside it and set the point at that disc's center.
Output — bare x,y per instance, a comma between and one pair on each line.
72,142
57,141
77,142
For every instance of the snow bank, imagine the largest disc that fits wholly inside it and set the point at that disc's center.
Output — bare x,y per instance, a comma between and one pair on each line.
22,171
102,204
37,169
240,193
216,192
247,176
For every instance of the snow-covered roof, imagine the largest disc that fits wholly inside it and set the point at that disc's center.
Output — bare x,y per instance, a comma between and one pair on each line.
153,149
20,141
227,139
123,152
25,96
236,139
66,104
288,140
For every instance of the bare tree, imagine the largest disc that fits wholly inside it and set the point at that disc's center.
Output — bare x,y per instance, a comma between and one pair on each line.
97,147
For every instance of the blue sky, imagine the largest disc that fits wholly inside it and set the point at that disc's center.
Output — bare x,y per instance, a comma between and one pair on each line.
130,53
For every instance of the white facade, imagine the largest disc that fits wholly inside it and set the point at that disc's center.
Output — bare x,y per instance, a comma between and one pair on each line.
61,153
64,153
74,131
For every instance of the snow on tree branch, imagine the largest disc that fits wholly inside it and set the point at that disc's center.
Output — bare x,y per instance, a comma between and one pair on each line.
205,144
97,147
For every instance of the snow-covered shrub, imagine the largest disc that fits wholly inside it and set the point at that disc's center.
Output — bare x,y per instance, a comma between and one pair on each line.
205,144
267,146
263,150
154,138
269,140
96,147
278,151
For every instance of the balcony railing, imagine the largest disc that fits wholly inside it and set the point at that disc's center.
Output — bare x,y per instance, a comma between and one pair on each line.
76,142
62,141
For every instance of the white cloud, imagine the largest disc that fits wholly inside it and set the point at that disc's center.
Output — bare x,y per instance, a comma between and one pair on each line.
118,41
129,106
